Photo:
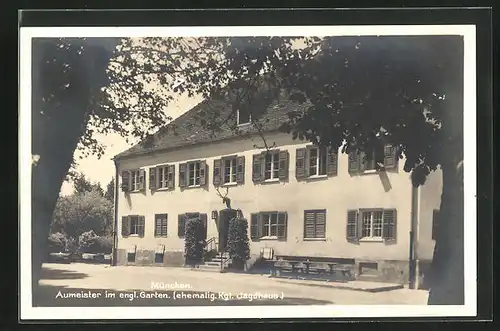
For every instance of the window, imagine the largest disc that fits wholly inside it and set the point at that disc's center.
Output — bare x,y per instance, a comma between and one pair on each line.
381,158
271,225
133,180
371,224
243,117
230,170
314,224
182,219
271,166
192,174
313,161
133,225
161,177
161,225
317,161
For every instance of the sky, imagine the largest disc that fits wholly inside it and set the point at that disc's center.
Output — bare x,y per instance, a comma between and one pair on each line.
103,170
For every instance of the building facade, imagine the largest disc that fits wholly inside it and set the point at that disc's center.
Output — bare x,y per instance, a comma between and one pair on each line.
299,200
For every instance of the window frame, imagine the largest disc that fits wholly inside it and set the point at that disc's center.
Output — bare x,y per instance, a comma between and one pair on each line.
321,155
371,237
134,226
238,116
274,173
134,174
197,166
233,170
261,225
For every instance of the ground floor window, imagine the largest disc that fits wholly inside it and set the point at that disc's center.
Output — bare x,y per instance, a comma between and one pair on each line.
271,225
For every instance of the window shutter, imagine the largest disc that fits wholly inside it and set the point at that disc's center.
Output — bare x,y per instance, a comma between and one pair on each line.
300,163
254,226
352,233
353,162
152,178
435,222
142,223
257,168
125,181
390,159
389,224
240,169
142,180
157,225
331,165
203,218
320,224
282,227
181,225
164,226
309,220
182,174
362,160
203,173
217,172
171,177
125,226
283,164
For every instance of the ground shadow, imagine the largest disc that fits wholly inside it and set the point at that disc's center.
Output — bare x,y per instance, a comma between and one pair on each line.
47,273
60,296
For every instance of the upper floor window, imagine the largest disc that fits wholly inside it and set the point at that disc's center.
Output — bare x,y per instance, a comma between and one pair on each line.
377,159
314,161
192,174
162,177
133,180
270,166
368,224
229,170
243,117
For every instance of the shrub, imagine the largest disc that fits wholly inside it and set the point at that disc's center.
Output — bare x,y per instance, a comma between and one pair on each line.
237,243
194,242
89,242
57,242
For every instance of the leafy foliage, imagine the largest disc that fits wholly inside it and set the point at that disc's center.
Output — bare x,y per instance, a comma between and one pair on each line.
110,190
238,245
90,242
194,242
83,212
82,185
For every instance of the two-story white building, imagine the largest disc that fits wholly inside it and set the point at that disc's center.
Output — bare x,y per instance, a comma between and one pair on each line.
299,200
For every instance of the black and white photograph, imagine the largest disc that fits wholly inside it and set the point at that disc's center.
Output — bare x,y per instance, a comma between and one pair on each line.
248,172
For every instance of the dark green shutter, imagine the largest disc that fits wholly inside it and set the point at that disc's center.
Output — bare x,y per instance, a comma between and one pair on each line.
171,177
309,222
125,181
390,159
181,225
152,178
331,165
125,226
183,175
300,163
217,180
352,232
257,168
389,224
254,226
142,224
240,169
353,166
283,164
203,173
320,229
282,226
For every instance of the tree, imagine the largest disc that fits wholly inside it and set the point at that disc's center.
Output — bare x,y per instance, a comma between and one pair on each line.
238,245
83,212
83,185
194,243
110,191
414,83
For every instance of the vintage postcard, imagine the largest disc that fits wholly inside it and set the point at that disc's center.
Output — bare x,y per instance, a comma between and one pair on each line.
194,172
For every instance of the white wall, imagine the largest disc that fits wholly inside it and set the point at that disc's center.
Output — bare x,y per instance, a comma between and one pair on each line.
335,194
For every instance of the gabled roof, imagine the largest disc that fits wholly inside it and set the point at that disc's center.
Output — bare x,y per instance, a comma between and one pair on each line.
187,129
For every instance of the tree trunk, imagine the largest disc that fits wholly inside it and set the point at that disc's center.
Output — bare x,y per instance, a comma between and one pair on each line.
447,270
